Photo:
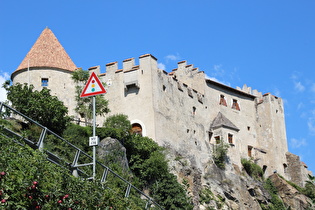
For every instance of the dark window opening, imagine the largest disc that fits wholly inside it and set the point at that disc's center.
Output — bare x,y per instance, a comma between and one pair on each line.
264,168
230,138
248,128
235,105
285,166
222,100
136,129
164,88
249,148
44,82
210,135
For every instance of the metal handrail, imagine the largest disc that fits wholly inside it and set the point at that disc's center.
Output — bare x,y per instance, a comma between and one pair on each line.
74,164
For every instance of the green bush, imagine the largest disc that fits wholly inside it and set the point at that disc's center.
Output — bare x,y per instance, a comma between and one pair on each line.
275,202
252,169
220,155
170,194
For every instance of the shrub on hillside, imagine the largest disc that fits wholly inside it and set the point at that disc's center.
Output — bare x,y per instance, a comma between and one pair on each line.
252,169
220,155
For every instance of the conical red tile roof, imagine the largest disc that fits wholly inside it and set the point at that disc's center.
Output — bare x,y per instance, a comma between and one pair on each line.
47,52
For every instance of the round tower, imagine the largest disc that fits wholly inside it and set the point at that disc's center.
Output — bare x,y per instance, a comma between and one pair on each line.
47,65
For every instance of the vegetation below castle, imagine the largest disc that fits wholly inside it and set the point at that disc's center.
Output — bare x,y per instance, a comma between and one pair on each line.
55,188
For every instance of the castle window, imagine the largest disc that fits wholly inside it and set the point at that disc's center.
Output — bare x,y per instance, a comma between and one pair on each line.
235,105
217,139
136,129
230,138
222,100
44,82
249,151
164,88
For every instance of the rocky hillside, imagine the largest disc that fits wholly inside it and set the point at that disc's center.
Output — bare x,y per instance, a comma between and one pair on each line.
232,188
228,188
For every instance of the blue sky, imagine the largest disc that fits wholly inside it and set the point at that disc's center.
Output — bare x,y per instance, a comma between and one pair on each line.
268,45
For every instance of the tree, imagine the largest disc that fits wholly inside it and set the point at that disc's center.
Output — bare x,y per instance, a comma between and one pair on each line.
84,105
38,105
120,125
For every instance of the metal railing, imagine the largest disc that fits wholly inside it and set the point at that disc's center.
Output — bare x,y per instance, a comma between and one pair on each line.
49,143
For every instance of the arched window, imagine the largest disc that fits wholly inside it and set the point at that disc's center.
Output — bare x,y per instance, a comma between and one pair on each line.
137,129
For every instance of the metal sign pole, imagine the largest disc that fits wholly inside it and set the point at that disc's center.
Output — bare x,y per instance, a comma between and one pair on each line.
93,87
94,125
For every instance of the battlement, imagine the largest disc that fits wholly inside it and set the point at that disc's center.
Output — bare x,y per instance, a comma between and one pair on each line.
186,76
249,90
129,64
187,68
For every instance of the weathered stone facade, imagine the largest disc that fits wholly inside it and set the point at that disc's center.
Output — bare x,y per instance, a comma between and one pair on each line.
185,111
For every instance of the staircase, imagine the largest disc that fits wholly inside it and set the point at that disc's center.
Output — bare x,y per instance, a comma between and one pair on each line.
81,163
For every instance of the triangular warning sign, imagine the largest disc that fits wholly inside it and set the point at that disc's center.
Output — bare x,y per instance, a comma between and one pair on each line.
93,87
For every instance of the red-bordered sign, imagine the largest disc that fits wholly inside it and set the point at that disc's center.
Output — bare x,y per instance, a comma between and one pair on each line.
93,87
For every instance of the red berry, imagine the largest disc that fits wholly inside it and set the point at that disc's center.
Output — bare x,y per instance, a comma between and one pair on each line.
30,197
60,201
35,183
2,173
33,186
3,200
37,207
66,196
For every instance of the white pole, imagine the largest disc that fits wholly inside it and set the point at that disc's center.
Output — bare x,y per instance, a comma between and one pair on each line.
28,71
94,149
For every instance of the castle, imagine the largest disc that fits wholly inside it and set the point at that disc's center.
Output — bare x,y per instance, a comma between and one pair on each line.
182,109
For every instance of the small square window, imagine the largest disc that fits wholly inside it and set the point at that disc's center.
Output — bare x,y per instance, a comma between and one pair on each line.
44,82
